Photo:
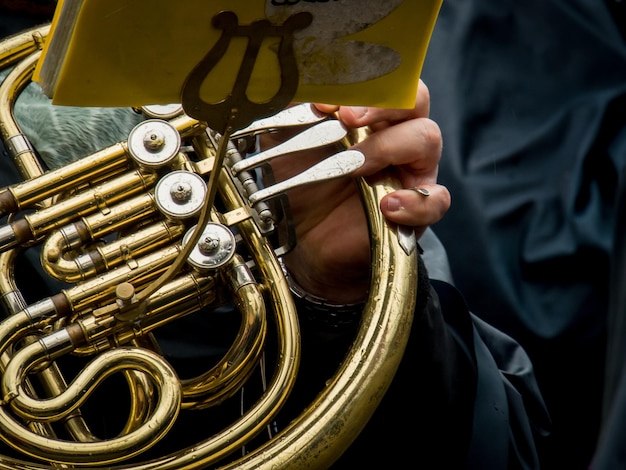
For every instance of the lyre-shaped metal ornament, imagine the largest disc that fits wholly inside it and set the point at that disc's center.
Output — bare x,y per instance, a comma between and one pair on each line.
236,110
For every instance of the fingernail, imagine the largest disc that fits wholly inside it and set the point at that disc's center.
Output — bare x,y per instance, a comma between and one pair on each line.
394,204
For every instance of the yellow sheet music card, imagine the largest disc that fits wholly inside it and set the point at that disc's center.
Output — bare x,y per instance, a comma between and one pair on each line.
139,52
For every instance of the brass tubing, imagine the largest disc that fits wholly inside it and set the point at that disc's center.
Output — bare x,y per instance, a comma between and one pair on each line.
142,390
53,383
255,420
37,224
111,160
101,289
352,395
236,366
15,141
168,304
36,315
62,247
187,126
139,243
188,294
183,295
11,297
55,253
19,46
51,379
88,453
124,214
97,198
60,263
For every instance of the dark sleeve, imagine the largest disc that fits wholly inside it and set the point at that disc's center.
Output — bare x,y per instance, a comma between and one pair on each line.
460,381
611,452
509,412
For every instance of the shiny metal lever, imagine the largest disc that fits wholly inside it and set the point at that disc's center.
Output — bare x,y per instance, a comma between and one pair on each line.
320,135
340,164
299,115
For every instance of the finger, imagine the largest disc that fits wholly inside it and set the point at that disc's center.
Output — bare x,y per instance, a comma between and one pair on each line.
416,144
361,116
416,208
377,118
326,108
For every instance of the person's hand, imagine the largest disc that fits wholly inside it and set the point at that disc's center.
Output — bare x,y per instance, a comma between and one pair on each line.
332,256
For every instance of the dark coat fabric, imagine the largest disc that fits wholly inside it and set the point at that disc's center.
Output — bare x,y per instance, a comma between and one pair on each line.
530,97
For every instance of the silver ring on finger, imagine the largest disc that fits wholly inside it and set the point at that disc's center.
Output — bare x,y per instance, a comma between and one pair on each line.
424,192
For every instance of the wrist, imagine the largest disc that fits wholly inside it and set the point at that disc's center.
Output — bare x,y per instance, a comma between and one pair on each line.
333,283
322,312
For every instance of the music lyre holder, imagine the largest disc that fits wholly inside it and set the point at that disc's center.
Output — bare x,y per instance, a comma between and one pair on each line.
236,111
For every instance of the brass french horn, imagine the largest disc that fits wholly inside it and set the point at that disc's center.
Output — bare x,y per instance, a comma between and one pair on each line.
129,235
